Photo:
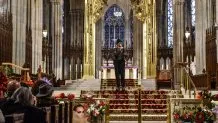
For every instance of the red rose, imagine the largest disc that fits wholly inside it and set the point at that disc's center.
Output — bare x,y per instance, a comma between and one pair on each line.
176,116
101,103
70,96
200,117
62,95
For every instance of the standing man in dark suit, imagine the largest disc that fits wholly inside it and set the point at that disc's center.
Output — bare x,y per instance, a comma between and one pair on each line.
119,65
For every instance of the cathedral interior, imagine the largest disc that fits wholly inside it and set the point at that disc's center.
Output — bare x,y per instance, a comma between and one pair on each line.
171,60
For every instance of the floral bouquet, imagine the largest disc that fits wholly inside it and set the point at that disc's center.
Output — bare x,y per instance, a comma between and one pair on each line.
207,97
96,110
199,116
61,97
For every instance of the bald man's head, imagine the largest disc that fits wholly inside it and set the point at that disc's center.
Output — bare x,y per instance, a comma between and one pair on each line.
12,86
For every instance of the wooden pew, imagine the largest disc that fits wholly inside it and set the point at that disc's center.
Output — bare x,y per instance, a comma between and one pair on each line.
14,118
55,114
61,113
48,113
66,112
71,112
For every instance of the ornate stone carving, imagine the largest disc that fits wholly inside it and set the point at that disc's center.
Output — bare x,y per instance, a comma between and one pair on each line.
144,10
93,11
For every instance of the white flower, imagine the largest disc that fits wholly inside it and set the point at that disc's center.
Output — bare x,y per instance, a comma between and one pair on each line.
98,102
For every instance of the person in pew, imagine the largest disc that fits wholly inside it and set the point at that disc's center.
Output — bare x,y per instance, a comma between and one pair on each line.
44,97
79,115
11,87
35,88
22,102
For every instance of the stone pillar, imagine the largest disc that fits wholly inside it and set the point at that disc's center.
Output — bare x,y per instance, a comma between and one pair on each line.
18,10
99,45
178,39
56,37
149,51
203,21
36,25
216,21
137,44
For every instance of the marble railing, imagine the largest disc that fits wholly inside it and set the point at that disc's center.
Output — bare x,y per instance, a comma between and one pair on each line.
182,105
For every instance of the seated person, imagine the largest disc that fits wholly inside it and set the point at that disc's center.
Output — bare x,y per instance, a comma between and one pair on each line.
35,88
79,114
22,102
44,97
11,87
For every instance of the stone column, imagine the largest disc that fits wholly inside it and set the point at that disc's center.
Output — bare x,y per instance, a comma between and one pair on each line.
137,44
36,25
178,39
99,45
56,37
203,21
18,10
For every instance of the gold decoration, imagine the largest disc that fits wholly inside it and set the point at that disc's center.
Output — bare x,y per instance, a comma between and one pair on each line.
144,10
93,10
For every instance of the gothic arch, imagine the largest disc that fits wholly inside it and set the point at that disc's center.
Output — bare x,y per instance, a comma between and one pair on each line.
114,26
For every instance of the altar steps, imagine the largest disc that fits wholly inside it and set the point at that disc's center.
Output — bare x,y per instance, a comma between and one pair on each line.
123,105
110,84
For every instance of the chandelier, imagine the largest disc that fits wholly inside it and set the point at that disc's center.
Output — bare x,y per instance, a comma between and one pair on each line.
117,13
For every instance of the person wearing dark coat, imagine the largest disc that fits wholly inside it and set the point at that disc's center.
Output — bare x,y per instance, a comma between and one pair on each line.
21,102
119,65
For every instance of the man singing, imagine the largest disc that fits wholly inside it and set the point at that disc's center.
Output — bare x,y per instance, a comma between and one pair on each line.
119,65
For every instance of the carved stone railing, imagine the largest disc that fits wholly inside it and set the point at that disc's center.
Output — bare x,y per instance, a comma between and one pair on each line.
183,105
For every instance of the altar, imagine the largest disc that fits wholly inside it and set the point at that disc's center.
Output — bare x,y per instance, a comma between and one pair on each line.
108,72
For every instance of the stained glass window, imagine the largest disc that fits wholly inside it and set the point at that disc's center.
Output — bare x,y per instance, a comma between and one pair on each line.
193,12
131,28
170,23
114,26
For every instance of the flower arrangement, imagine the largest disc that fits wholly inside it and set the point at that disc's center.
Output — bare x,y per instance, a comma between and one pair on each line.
198,116
96,110
60,97
206,98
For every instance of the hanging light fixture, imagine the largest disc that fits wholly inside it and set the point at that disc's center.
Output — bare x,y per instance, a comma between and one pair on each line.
45,33
117,12
187,33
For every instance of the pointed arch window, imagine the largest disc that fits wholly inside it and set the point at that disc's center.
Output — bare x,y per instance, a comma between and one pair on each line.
170,23
114,25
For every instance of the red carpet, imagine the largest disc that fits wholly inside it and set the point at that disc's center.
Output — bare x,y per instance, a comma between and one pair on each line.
123,105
